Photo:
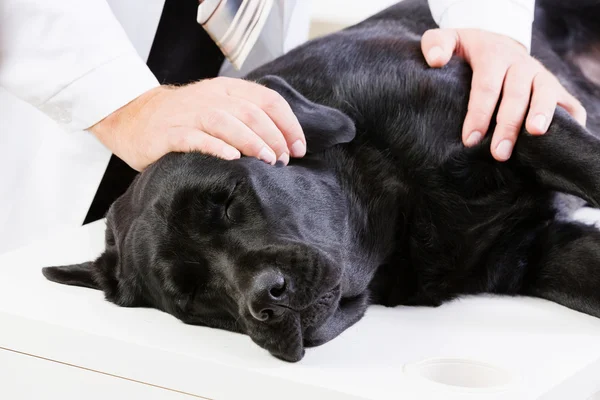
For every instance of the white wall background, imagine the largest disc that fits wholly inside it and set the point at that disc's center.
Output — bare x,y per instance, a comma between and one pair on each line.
347,11
331,15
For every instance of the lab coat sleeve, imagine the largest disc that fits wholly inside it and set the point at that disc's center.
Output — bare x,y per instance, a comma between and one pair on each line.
513,18
70,58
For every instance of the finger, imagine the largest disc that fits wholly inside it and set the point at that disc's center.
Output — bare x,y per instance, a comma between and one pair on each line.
486,85
543,103
438,45
516,96
187,140
573,107
260,123
275,106
223,125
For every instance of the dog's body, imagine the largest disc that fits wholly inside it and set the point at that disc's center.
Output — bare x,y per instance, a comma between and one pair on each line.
388,206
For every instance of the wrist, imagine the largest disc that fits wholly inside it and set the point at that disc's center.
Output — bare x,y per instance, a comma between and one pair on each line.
108,129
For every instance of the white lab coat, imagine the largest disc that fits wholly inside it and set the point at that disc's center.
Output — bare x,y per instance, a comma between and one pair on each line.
66,64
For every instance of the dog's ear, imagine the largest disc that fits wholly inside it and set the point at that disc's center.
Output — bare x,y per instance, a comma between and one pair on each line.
76,275
112,272
323,126
100,274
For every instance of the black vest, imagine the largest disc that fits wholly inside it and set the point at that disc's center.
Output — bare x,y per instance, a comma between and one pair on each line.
182,52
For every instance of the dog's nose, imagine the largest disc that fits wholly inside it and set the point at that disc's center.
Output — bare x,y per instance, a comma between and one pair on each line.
268,296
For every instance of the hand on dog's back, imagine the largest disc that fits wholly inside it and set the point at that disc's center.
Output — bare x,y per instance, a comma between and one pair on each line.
501,64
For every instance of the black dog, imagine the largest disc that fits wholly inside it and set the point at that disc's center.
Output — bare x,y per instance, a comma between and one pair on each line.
388,207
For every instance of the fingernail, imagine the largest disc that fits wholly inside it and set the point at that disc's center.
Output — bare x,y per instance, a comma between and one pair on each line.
474,138
267,155
504,149
298,148
540,122
434,54
230,153
284,158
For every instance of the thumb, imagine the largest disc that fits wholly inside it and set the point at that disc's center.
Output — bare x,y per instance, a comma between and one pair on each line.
438,45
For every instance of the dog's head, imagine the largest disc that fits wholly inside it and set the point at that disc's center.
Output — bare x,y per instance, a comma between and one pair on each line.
237,245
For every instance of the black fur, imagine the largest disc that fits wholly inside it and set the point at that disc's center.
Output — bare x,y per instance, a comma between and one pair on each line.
388,207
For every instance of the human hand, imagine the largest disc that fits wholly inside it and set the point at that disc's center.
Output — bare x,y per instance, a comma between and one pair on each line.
501,65
221,116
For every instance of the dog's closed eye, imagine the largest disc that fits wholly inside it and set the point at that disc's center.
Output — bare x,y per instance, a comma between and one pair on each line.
229,203
230,216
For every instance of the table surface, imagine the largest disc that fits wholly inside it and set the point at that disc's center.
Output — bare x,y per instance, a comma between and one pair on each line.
25,377
547,348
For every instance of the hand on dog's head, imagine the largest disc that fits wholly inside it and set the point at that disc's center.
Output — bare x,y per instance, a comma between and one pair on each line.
237,245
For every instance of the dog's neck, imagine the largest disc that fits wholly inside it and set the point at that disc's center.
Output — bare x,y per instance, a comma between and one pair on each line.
376,213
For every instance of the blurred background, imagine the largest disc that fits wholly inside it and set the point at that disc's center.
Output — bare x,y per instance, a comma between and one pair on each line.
331,15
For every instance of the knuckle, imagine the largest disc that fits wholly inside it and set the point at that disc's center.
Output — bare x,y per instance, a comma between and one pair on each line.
544,80
248,143
220,84
251,146
518,91
497,48
249,115
278,145
179,141
146,156
524,59
214,117
544,109
272,100
487,86
510,127
517,84
479,113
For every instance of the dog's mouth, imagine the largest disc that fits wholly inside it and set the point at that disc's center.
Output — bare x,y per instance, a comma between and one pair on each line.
319,312
287,338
